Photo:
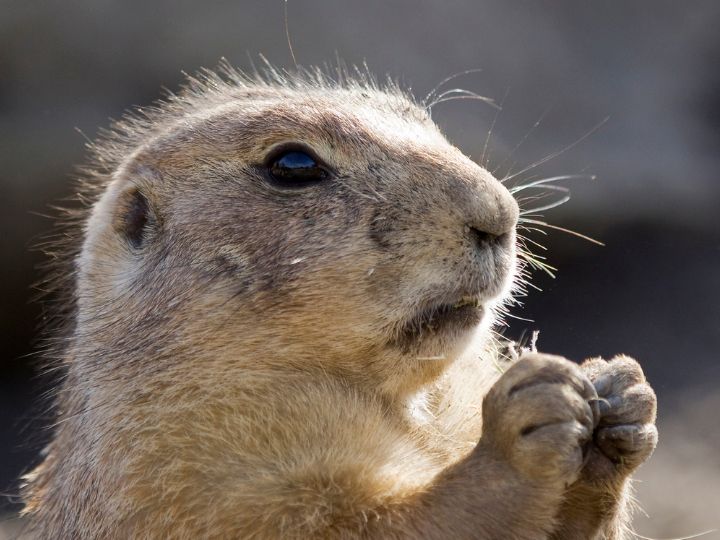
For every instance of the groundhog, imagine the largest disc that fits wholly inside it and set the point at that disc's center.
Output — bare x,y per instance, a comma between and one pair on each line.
281,325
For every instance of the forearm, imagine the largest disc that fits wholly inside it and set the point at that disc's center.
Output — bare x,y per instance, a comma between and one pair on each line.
480,498
593,512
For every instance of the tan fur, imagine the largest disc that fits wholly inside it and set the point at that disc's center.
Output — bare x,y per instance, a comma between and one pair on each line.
247,372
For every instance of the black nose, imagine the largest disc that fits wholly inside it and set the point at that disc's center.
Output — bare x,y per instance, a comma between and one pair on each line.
483,240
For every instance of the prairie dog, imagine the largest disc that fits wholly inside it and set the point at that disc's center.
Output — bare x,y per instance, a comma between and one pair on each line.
283,299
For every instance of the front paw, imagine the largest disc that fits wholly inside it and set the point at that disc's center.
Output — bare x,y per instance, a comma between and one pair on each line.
626,434
538,418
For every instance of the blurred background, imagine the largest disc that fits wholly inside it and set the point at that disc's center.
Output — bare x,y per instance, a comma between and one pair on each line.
651,67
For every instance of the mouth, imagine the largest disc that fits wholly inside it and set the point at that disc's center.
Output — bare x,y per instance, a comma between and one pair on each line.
443,322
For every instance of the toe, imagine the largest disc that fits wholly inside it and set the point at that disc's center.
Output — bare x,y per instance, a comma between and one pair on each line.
635,405
627,444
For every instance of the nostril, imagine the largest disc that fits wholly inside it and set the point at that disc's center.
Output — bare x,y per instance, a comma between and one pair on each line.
483,239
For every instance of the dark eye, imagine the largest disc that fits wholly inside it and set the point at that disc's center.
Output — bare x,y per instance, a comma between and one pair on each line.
294,168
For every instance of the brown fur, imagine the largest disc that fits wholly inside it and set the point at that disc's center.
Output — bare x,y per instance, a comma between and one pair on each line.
251,370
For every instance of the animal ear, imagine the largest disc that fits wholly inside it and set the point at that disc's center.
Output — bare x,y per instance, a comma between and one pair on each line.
134,218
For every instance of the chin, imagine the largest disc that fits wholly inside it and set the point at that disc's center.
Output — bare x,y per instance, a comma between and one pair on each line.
445,332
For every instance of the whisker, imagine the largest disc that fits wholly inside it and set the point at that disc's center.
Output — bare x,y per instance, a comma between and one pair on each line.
545,181
557,153
524,138
550,206
532,229
287,35
526,239
535,261
450,95
563,229
434,91
492,126
516,317
545,194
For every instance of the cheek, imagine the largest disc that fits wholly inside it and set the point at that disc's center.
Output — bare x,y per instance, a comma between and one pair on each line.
105,278
415,257
333,291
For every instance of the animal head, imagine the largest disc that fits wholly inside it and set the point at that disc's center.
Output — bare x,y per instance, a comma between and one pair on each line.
289,221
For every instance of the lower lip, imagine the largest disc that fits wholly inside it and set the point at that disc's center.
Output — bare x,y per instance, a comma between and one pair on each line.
465,316
445,320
